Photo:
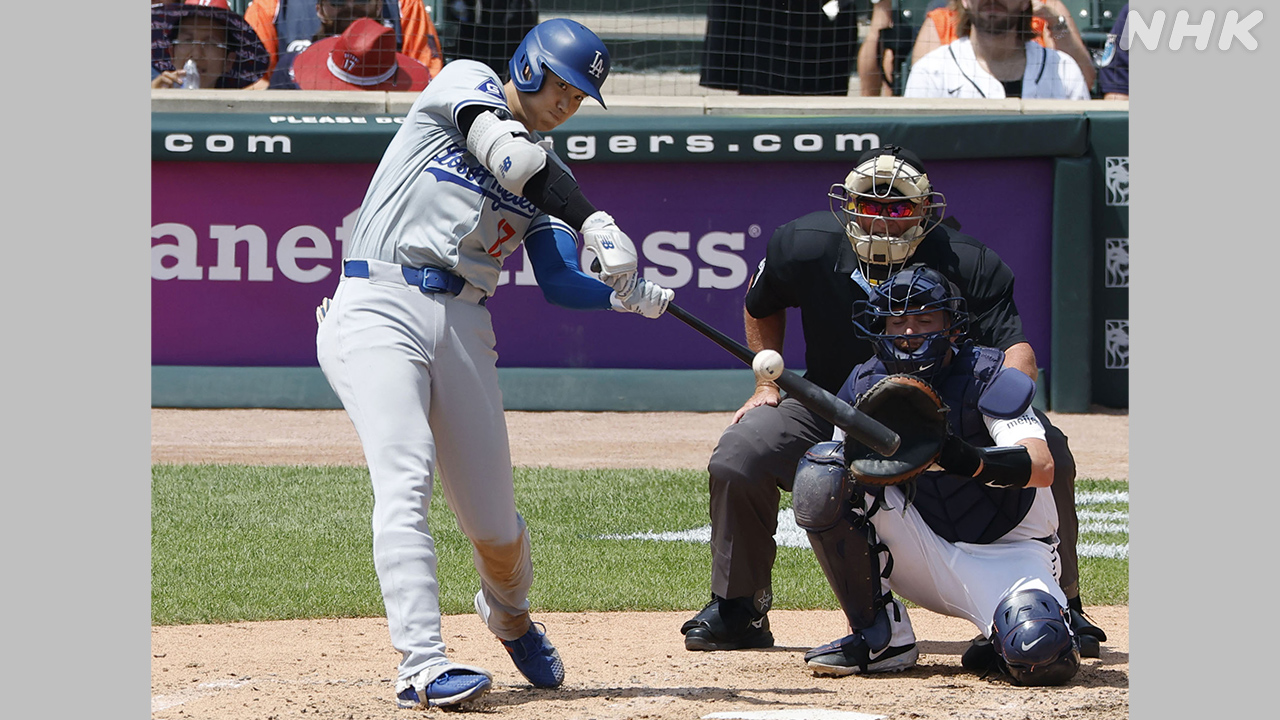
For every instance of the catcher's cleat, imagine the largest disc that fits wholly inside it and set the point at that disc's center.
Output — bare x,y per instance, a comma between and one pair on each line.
1088,636
852,655
981,657
727,625
536,658
450,688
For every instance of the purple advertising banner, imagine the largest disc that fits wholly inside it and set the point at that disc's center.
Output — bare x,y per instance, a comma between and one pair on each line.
243,252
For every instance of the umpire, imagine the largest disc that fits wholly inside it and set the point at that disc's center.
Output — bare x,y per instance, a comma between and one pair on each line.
885,213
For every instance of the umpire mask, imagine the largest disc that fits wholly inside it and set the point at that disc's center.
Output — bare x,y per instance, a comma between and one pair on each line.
886,206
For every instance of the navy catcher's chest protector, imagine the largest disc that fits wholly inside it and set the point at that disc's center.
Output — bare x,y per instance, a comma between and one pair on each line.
960,509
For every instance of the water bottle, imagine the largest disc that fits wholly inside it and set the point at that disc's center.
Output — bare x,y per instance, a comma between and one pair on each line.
190,76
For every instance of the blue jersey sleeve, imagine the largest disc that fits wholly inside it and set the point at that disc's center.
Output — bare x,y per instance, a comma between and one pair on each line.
553,251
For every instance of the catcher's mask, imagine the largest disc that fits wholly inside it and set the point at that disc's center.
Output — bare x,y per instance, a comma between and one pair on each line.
877,203
914,290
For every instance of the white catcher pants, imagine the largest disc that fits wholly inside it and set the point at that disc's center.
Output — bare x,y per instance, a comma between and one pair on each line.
968,580
417,375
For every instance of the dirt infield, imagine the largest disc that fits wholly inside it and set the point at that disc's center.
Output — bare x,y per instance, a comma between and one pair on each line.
619,665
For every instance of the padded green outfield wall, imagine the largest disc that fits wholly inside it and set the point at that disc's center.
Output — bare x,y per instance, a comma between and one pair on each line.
250,209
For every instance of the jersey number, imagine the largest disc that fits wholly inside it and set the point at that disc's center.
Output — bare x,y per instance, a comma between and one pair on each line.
508,231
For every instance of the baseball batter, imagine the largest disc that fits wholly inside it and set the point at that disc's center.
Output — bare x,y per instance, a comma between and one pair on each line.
975,539
408,345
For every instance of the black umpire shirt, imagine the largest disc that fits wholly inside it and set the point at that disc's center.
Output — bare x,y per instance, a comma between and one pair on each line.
809,264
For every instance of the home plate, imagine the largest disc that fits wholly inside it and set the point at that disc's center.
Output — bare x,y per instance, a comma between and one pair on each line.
808,714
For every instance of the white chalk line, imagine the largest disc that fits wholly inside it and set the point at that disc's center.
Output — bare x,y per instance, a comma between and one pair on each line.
791,535
204,690
792,714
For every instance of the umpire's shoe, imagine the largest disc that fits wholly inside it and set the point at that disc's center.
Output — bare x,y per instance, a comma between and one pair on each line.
852,654
727,625
1088,636
536,658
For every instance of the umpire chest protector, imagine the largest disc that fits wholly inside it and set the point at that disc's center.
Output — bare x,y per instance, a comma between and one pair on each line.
961,509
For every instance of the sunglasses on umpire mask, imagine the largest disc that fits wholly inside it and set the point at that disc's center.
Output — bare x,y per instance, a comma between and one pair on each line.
897,209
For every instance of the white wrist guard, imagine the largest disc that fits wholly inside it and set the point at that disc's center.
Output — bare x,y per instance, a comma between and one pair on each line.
648,299
503,146
611,246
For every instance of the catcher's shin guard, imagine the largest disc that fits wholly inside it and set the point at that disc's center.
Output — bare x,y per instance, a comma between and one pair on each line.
1033,638
842,539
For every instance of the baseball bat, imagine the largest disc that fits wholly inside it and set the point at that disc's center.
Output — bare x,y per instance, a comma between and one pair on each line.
855,423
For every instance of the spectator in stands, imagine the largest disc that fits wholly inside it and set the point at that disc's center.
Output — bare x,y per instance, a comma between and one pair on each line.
489,31
363,57
1050,20
1113,73
226,51
995,56
287,27
877,59
764,47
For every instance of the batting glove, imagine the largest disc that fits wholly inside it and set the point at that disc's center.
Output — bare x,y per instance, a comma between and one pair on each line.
613,250
648,299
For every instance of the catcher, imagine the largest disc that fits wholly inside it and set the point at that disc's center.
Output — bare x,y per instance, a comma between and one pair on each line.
960,520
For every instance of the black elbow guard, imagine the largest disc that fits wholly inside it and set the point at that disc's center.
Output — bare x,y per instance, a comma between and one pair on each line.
1005,467
555,192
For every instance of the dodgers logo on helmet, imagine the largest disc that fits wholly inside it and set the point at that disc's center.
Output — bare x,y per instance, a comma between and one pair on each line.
565,47
597,65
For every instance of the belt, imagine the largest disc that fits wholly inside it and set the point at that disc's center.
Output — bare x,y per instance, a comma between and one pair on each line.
429,280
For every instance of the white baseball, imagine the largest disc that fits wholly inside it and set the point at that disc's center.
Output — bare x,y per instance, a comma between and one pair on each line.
767,364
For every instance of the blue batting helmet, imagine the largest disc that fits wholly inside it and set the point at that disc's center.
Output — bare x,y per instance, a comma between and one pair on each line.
568,49
914,290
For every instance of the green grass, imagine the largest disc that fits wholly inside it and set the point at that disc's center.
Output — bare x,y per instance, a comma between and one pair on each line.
232,543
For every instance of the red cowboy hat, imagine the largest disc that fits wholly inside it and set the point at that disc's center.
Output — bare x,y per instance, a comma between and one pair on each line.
363,57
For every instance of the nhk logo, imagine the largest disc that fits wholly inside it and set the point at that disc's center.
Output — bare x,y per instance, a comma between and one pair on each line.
1232,29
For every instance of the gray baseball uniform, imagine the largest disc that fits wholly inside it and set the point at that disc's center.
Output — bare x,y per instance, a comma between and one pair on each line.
416,369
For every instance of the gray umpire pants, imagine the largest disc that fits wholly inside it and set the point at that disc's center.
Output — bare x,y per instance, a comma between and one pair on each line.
755,459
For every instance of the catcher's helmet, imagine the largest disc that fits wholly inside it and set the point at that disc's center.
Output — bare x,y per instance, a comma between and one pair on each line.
568,49
882,175
914,290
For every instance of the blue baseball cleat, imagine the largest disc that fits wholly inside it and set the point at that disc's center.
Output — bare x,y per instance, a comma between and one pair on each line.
456,685
536,658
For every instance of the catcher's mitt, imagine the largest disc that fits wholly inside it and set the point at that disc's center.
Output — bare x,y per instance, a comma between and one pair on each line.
910,407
